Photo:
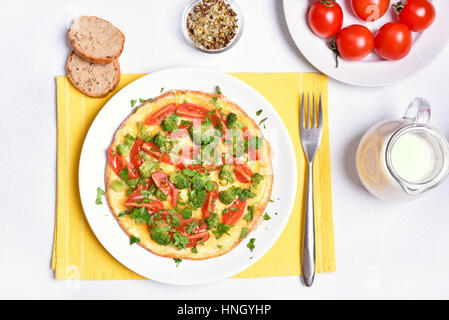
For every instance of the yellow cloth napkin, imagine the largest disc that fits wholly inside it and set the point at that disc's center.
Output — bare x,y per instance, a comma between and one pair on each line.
77,254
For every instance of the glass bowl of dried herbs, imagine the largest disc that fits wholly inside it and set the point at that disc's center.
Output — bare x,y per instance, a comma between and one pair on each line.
212,26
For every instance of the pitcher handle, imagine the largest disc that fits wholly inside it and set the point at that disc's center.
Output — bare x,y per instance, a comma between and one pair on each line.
418,111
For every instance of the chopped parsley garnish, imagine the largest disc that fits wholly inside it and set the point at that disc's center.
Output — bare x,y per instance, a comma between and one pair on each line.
219,246
180,241
162,89
266,217
262,121
251,245
140,215
214,101
124,213
100,193
221,230
133,240
194,250
213,221
258,112
218,90
178,261
250,214
133,103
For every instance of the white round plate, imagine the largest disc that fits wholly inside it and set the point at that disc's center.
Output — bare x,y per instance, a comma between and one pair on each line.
372,71
93,161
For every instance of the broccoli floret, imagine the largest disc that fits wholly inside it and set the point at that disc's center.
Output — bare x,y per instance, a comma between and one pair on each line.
227,173
180,180
228,196
232,122
162,142
170,123
197,198
231,118
180,241
204,134
256,179
160,235
213,221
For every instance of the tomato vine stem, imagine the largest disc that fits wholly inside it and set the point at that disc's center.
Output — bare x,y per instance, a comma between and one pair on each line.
333,46
328,3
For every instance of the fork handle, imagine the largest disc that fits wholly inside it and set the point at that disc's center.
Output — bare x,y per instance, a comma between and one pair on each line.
308,253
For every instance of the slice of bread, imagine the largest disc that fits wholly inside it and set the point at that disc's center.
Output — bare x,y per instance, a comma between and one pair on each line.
96,40
94,80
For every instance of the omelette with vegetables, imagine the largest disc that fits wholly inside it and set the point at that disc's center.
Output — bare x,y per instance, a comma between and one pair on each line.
188,175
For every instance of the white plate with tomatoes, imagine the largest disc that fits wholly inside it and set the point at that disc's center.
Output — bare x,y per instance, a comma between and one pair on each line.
373,53
94,157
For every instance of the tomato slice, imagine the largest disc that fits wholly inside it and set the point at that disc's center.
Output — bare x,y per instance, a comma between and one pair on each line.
211,202
191,110
116,161
242,172
161,181
199,232
153,205
235,211
174,193
134,156
157,116
152,150
194,239
164,184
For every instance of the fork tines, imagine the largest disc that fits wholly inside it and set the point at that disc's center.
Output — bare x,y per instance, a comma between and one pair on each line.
309,114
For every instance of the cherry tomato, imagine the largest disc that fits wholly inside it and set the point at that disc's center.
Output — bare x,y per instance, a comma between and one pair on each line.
156,117
191,110
116,161
354,42
211,202
370,10
234,212
417,15
325,18
393,41
242,172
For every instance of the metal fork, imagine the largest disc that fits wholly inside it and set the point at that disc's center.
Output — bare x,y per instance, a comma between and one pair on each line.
310,135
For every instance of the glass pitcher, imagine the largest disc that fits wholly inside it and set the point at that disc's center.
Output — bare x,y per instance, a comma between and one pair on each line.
399,160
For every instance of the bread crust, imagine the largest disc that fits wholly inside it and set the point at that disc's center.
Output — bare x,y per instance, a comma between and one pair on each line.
71,73
259,210
75,42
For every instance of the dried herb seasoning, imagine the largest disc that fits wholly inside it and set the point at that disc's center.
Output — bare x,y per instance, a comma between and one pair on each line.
212,24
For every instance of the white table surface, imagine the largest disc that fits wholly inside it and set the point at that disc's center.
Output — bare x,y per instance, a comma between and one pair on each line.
383,250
